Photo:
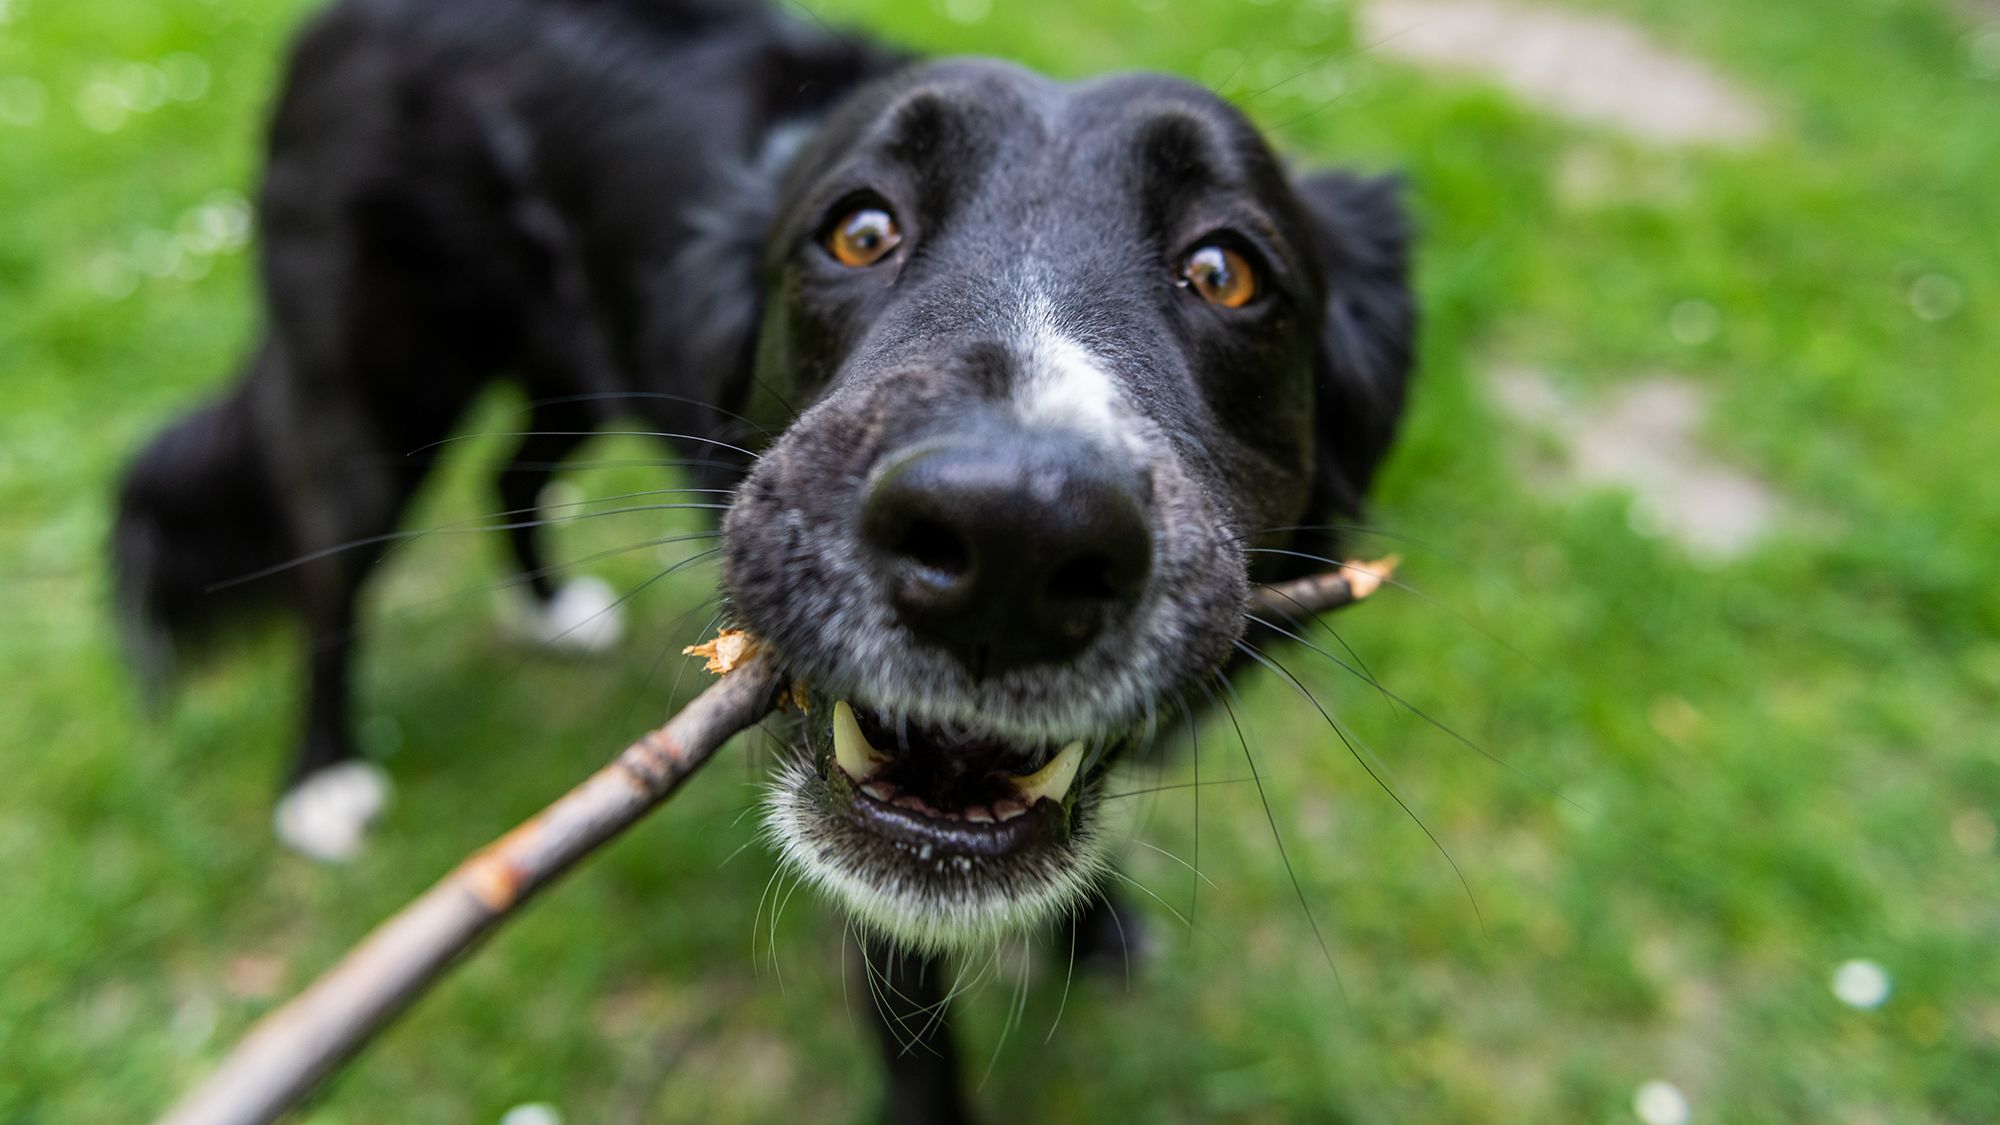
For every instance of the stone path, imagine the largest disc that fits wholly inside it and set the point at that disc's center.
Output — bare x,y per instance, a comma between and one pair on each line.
1644,437
1575,64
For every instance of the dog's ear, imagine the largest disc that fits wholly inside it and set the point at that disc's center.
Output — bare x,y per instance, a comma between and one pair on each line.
1367,339
703,308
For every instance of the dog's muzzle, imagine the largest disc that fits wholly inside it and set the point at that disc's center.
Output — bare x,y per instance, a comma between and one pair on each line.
999,552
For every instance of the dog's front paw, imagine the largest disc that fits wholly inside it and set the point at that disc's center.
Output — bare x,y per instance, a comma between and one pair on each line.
326,815
583,617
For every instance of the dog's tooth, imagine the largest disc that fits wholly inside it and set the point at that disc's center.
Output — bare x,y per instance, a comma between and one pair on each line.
1052,781
1005,809
979,814
880,790
850,746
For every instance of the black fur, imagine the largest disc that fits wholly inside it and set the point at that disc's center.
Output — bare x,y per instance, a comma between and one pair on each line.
629,197
1365,355
196,509
454,193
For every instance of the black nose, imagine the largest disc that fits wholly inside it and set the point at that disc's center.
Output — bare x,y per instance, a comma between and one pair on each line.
1009,551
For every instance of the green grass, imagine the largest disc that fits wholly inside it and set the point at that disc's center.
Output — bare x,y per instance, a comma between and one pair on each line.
1760,765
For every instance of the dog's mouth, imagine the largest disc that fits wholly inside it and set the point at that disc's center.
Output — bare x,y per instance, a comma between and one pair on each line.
939,834
953,790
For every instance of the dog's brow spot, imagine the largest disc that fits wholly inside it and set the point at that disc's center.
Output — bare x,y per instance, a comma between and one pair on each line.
1591,68
1643,437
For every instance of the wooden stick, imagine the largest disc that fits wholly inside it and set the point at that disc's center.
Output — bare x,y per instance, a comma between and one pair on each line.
288,1051
291,1049
1317,593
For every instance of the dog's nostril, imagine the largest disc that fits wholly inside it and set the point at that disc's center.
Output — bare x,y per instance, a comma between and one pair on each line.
933,546
1084,579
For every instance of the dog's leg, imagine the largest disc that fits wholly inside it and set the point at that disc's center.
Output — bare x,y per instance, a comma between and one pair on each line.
342,487
577,614
908,1008
332,795
551,436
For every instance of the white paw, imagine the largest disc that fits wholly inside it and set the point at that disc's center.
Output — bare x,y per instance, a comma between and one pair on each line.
583,617
326,816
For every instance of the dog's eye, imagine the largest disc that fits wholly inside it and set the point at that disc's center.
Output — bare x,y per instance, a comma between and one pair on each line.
863,237
1220,275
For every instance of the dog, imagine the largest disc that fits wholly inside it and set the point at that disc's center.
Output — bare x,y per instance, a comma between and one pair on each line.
1047,374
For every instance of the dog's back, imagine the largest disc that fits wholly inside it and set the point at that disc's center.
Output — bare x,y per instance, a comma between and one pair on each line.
454,192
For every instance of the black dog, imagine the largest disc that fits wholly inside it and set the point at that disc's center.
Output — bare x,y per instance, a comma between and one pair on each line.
1071,357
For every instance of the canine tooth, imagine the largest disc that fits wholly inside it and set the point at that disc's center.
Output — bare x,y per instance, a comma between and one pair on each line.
1052,780
879,790
978,814
850,746
1008,810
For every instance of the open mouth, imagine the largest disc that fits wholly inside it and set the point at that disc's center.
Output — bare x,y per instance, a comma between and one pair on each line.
937,834
949,789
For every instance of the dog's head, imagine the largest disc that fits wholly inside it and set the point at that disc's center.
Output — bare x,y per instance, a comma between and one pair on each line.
1071,351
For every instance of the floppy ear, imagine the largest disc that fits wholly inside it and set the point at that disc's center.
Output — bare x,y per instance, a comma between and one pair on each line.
706,331
703,310
706,308
1368,336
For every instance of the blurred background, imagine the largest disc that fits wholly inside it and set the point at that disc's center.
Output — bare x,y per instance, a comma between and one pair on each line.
1699,510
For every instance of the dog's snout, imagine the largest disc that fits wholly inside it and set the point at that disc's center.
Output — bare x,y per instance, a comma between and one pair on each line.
1009,552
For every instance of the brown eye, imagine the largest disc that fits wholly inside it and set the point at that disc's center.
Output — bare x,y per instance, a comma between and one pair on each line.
1220,275
863,237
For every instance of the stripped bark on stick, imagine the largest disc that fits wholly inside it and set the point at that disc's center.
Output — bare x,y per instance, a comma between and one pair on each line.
1317,593
290,1050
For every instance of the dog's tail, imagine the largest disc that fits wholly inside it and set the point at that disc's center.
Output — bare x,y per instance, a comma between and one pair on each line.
198,517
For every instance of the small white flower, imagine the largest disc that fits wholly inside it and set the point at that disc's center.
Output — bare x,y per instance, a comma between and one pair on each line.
532,1113
1660,1102
1861,984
